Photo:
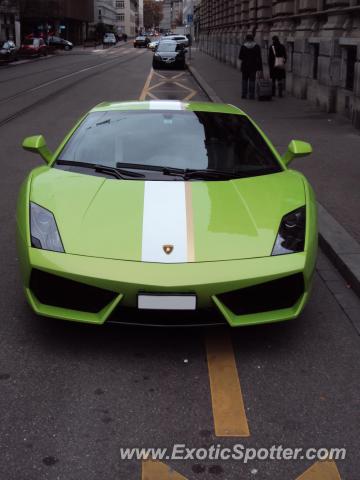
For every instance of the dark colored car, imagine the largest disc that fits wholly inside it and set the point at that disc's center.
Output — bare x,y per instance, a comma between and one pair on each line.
8,51
60,43
169,54
141,42
32,47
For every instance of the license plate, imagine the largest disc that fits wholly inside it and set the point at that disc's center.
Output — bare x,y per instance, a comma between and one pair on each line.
166,302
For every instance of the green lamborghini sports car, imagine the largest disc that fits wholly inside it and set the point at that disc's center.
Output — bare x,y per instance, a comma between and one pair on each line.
164,207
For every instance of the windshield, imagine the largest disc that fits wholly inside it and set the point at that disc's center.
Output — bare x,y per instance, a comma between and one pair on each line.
167,47
173,139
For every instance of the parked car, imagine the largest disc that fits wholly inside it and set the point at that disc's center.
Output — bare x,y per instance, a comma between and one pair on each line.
8,51
141,41
60,43
153,45
181,39
32,47
109,39
235,232
169,54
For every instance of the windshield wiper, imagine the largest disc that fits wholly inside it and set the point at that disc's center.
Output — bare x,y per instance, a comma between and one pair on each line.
185,173
114,171
140,166
188,173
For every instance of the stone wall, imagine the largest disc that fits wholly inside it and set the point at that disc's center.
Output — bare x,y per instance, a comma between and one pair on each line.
322,38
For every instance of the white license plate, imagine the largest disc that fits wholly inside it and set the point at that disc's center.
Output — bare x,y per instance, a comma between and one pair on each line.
166,302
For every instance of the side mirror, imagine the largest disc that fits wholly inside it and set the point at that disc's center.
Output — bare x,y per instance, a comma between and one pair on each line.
37,144
296,149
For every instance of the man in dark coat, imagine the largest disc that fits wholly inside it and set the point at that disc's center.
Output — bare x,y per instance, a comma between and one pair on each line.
277,60
251,62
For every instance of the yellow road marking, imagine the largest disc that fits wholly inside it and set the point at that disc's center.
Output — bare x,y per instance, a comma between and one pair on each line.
190,90
156,85
178,76
154,97
227,400
159,75
183,86
326,470
146,86
189,223
190,96
155,470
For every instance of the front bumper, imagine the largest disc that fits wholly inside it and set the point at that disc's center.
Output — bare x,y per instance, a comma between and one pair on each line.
208,280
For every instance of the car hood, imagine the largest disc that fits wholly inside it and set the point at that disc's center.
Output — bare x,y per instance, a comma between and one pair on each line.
167,221
167,54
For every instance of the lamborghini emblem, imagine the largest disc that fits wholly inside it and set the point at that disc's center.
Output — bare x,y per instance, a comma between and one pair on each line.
168,249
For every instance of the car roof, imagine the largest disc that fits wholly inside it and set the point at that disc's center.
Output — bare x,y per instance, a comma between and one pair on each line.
168,105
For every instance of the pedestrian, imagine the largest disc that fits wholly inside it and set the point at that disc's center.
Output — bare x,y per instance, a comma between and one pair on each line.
251,62
124,37
277,61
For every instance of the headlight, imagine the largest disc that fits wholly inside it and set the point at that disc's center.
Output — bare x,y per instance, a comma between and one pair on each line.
157,54
291,235
43,229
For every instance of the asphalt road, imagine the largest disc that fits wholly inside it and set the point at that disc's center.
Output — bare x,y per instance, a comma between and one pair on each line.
71,395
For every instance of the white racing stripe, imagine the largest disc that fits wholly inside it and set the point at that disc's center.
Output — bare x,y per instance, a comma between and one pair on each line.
165,105
164,222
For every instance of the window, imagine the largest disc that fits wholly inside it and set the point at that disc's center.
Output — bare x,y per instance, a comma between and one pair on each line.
350,66
316,48
120,17
119,4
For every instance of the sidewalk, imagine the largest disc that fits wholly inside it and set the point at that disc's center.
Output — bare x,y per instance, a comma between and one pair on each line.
333,169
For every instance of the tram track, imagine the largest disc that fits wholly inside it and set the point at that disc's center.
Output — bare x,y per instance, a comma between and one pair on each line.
45,70
93,69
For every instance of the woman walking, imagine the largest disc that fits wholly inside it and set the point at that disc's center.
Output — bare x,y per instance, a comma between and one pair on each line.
277,61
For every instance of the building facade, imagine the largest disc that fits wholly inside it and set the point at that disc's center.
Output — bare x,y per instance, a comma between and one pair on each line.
322,38
105,12
118,16
165,24
10,21
172,14
141,15
177,13
189,7
60,17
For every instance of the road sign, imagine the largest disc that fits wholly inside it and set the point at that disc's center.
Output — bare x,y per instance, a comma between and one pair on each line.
190,19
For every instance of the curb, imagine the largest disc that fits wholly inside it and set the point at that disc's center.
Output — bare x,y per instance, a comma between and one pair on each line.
340,247
337,244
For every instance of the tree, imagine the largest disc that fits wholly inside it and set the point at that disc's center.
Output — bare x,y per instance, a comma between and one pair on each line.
153,13
179,20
